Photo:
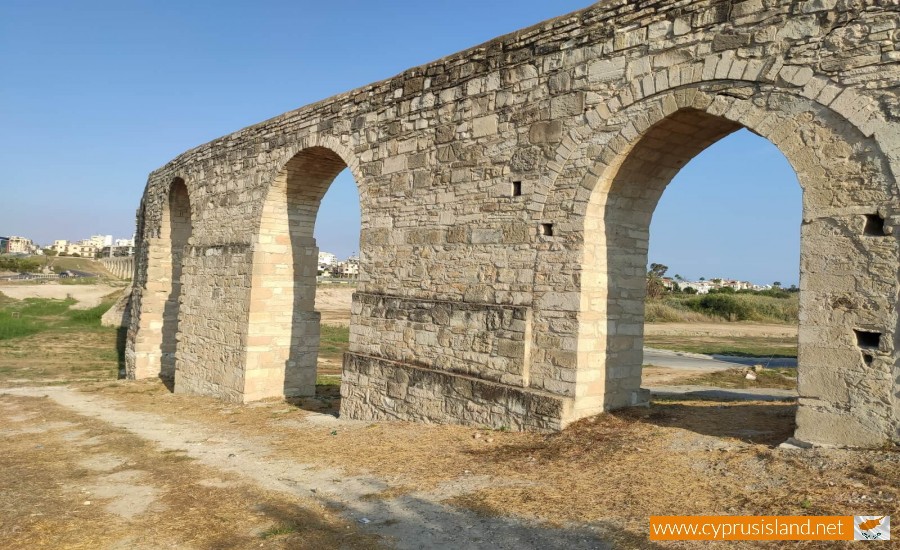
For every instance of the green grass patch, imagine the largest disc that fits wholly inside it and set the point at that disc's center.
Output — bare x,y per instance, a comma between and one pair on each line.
24,318
90,316
12,326
45,341
334,338
279,530
42,307
333,380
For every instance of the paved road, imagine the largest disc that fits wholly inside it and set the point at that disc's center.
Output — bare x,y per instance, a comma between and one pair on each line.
696,361
678,359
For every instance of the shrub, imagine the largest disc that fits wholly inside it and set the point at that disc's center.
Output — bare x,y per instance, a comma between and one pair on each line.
721,305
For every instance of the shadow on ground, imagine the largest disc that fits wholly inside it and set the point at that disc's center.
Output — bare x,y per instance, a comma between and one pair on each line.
326,401
121,342
760,423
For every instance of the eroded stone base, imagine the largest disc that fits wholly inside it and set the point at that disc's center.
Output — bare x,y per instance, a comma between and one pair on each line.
376,389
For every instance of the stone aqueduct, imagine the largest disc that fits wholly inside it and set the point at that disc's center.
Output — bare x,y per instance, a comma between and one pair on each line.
506,194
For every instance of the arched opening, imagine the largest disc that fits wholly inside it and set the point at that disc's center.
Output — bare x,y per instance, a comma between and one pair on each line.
844,178
631,200
615,281
284,327
175,233
722,300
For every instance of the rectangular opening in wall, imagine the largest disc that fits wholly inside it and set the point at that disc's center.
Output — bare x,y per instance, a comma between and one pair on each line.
874,226
517,188
867,340
547,229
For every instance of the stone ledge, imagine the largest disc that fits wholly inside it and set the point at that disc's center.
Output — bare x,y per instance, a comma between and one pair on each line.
379,389
373,298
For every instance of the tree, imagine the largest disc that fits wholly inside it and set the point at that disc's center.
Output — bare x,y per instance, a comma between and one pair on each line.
777,284
678,277
655,286
49,252
658,270
702,278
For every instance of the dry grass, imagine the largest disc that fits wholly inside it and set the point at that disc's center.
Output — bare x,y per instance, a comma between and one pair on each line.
612,471
785,379
49,467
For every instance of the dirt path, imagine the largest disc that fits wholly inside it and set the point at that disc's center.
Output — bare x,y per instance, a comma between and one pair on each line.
73,481
414,520
87,296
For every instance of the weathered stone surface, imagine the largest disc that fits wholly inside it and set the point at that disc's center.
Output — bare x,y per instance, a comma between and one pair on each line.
506,196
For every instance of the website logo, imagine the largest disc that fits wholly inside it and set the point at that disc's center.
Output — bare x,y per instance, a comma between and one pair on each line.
872,527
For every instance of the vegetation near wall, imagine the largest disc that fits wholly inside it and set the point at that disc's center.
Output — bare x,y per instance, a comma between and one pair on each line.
761,307
12,263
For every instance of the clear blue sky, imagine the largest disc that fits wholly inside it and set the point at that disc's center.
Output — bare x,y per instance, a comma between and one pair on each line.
95,95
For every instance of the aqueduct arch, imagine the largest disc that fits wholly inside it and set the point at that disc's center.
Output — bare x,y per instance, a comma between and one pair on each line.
153,343
506,193
826,151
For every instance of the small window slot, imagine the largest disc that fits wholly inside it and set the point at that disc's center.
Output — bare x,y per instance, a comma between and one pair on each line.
874,226
867,340
517,188
547,229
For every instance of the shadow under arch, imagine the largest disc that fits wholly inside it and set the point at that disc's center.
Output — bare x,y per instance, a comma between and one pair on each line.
283,326
175,234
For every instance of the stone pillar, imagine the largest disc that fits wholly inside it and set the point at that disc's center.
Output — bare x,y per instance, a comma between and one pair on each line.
147,351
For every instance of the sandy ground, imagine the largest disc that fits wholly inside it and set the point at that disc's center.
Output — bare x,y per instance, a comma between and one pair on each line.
333,302
87,296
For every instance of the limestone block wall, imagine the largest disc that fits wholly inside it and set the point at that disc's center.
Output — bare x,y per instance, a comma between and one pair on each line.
489,341
506,193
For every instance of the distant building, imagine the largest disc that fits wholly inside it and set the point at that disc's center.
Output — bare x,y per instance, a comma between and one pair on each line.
101,240
95,246
19,245
702,287
348,269
4,245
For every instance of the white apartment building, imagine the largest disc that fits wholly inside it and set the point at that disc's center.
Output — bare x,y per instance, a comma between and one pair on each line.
20,245
101,240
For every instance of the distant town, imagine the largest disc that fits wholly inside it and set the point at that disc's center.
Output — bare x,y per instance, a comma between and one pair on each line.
105,246
704,286
97,246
